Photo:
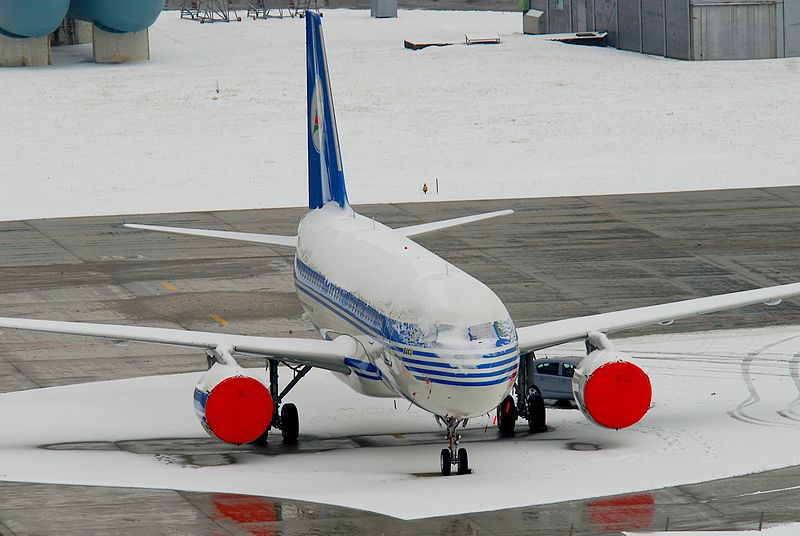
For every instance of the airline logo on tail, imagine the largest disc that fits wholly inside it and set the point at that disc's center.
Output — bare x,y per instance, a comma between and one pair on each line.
325,174
316,116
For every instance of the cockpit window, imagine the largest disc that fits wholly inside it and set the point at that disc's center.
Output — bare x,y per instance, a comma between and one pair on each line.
501,329
482,331
505,329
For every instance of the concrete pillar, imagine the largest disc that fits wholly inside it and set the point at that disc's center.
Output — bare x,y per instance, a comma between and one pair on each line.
72,32
27,52
111,47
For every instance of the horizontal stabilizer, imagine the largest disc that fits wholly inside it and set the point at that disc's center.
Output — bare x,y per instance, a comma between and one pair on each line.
275,240
422,228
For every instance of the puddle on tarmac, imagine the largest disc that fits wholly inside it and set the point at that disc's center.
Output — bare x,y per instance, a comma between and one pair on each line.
208,452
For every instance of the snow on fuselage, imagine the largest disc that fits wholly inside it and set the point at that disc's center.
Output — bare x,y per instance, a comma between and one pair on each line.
446,341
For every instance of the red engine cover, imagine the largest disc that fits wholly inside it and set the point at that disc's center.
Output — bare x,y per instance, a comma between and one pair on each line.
238,410
617,394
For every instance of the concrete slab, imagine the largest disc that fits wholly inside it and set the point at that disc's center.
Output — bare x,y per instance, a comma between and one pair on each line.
28,52
23,245
112,47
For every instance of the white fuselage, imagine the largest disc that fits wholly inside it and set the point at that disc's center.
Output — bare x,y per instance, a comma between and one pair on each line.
430,332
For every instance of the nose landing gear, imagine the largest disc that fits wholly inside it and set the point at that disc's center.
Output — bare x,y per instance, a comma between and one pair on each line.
454,456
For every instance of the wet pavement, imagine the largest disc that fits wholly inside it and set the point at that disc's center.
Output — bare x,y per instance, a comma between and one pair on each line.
554,258
736,503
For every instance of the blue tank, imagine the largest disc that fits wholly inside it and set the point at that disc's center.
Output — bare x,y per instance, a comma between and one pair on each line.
120,16
31,18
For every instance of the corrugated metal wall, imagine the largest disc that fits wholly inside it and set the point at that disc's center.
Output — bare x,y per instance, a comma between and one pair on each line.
678,29
606,19
737,31
791,36
629,23
684,29
653,30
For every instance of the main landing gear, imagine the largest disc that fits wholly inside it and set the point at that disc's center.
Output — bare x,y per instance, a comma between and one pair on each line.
284,416
454,456
529,403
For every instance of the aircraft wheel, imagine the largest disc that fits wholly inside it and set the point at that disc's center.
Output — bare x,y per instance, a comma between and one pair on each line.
537,418
463,462
290,423
445,461
507,416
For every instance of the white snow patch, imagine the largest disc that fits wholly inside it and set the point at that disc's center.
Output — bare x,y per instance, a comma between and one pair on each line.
706,423
403,280
525,118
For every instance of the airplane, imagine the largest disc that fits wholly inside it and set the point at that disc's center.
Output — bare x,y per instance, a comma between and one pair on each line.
396,320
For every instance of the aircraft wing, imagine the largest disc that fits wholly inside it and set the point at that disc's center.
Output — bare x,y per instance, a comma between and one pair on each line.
275,240
571,329
413,230
328,355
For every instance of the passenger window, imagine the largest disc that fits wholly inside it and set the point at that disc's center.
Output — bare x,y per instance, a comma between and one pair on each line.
568,370
547,368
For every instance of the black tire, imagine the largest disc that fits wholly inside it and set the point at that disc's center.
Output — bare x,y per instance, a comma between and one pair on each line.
463,462
445,461
290,423
535,391
507,416
537,418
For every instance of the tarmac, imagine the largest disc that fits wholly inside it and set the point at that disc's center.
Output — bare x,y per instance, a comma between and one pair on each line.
554,258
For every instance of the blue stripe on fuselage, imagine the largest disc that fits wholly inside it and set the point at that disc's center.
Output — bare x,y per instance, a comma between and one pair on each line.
506,372
400,356
464,384
400,353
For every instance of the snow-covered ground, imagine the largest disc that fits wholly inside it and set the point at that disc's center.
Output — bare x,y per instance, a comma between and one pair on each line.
719,398
527,117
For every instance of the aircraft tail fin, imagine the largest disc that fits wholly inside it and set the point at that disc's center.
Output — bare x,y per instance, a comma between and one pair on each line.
325,173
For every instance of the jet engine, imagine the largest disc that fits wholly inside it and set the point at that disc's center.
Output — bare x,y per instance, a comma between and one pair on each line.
232,405
610,390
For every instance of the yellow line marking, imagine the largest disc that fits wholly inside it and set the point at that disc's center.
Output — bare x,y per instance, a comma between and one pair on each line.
169,286
219,320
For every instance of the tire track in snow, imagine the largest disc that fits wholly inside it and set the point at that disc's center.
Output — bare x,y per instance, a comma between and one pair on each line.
792,411
739,412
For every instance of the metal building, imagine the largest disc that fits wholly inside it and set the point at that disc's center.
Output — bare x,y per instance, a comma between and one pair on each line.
684,29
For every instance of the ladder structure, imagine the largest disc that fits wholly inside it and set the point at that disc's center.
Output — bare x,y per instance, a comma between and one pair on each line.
299,7
209,11
266,9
